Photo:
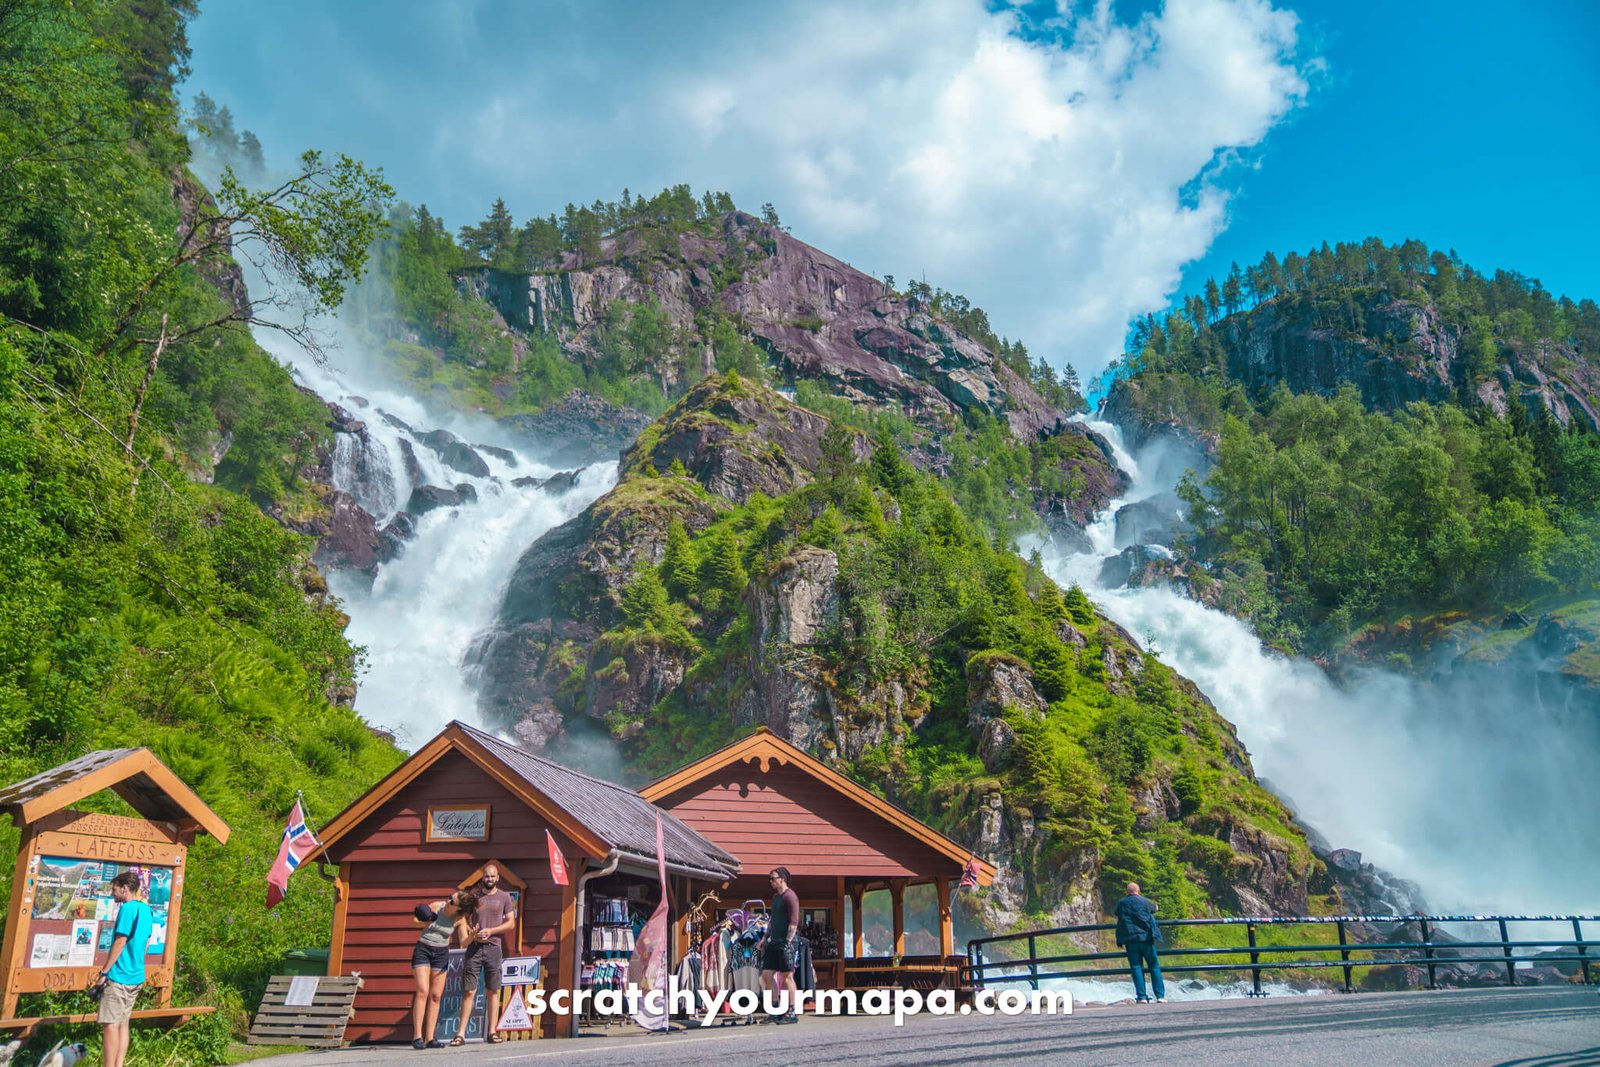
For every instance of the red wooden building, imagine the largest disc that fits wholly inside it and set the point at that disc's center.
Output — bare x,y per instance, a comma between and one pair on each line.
467,798
772,805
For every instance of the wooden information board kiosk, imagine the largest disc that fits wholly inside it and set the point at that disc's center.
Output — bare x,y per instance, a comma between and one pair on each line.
58,927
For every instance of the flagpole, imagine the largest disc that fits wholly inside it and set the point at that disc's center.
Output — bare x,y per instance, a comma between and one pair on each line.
316,835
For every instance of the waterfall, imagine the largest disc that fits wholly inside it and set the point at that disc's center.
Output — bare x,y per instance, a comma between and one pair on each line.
417,617
1482,795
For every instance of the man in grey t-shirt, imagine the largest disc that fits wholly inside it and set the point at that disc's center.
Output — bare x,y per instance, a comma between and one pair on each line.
497,919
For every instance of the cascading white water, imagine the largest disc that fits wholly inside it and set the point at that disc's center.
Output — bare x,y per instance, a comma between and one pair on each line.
418,616
1486,799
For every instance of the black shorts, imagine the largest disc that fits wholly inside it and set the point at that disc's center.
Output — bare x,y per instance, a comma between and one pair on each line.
435,957
778,956
481,956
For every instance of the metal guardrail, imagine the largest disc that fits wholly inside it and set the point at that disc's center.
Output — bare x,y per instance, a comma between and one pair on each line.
1434,953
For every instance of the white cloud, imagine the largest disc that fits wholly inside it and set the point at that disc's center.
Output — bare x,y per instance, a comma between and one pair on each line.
1060,186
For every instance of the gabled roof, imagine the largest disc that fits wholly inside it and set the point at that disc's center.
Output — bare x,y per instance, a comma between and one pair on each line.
768,748
134,774
599,816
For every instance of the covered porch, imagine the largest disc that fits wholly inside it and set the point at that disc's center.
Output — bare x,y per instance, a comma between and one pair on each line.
875,884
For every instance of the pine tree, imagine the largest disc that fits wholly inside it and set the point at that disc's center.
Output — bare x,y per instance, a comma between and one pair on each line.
679,567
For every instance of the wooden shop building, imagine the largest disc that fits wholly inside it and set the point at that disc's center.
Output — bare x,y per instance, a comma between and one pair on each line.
771,804
468,798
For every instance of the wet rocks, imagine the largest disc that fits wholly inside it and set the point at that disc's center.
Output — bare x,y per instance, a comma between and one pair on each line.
350,540
454,452
1117,570
425,498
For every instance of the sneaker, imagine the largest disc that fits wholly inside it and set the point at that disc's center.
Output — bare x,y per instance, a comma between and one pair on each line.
1141,1000
1161,1000
436,1043
790,1018
419,1044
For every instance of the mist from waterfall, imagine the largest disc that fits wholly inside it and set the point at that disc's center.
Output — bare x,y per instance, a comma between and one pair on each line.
1484,796
418,616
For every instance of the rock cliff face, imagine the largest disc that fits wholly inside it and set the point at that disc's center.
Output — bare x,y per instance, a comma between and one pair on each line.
1406,350
817,317
566,589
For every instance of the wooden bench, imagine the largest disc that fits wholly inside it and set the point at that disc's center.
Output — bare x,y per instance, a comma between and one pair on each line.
319,1024
175,1016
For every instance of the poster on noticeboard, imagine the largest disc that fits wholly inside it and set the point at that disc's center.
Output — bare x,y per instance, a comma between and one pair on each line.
74,914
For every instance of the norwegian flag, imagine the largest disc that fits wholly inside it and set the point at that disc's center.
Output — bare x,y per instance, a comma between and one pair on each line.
969,877
297,844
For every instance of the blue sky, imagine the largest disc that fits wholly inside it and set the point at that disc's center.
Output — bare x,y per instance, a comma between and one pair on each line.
1066,171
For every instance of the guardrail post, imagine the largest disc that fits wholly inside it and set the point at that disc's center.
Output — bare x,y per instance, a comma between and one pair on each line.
1427,952
1255,958
1033,965
1344,954
1505,946
1583,949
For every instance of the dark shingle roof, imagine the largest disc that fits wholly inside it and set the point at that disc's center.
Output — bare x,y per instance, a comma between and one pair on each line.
614,812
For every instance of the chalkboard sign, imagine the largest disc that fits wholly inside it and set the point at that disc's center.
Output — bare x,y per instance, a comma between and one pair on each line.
450,1003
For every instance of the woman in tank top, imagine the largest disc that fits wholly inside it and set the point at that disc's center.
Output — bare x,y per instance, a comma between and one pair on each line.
430,959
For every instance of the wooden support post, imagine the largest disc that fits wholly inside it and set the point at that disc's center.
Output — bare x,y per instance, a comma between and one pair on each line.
897,895
13,953
563,974
857,943
947,941
341,918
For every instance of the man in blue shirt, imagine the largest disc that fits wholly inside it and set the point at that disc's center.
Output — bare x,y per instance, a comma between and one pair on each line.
1138,932
124,973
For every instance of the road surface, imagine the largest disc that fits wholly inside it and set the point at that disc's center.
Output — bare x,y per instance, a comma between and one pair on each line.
1544,1027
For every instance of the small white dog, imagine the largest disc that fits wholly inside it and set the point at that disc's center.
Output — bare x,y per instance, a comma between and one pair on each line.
64,1055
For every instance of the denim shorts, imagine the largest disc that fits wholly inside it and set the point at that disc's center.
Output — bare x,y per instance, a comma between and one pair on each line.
436,957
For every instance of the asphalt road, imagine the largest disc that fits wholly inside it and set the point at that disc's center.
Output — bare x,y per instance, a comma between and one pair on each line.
1517,1028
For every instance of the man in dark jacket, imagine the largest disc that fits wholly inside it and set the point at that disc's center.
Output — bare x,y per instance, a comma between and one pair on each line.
1138,932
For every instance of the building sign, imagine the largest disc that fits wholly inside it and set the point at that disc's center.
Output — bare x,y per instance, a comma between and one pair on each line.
458,824
520,970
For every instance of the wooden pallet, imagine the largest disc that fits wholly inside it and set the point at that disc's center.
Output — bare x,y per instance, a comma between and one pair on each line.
317,1025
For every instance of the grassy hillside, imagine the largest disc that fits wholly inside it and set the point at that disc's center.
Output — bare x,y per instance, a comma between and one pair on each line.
144,597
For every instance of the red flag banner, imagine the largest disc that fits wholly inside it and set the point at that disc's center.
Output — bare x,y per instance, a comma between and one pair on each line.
558,864
296,845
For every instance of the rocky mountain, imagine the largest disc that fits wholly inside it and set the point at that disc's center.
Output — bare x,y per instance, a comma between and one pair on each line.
817,318
731,579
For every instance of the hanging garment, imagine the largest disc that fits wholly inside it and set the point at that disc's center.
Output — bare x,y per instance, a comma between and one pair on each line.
804,976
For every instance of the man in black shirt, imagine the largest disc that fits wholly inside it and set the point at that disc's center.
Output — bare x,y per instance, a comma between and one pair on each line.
1138,932
777,954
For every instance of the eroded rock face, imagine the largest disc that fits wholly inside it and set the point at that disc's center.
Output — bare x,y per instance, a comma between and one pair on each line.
351,540
816,316
739,442
578,429
799,600
631,679
996,684
565,591
777,683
